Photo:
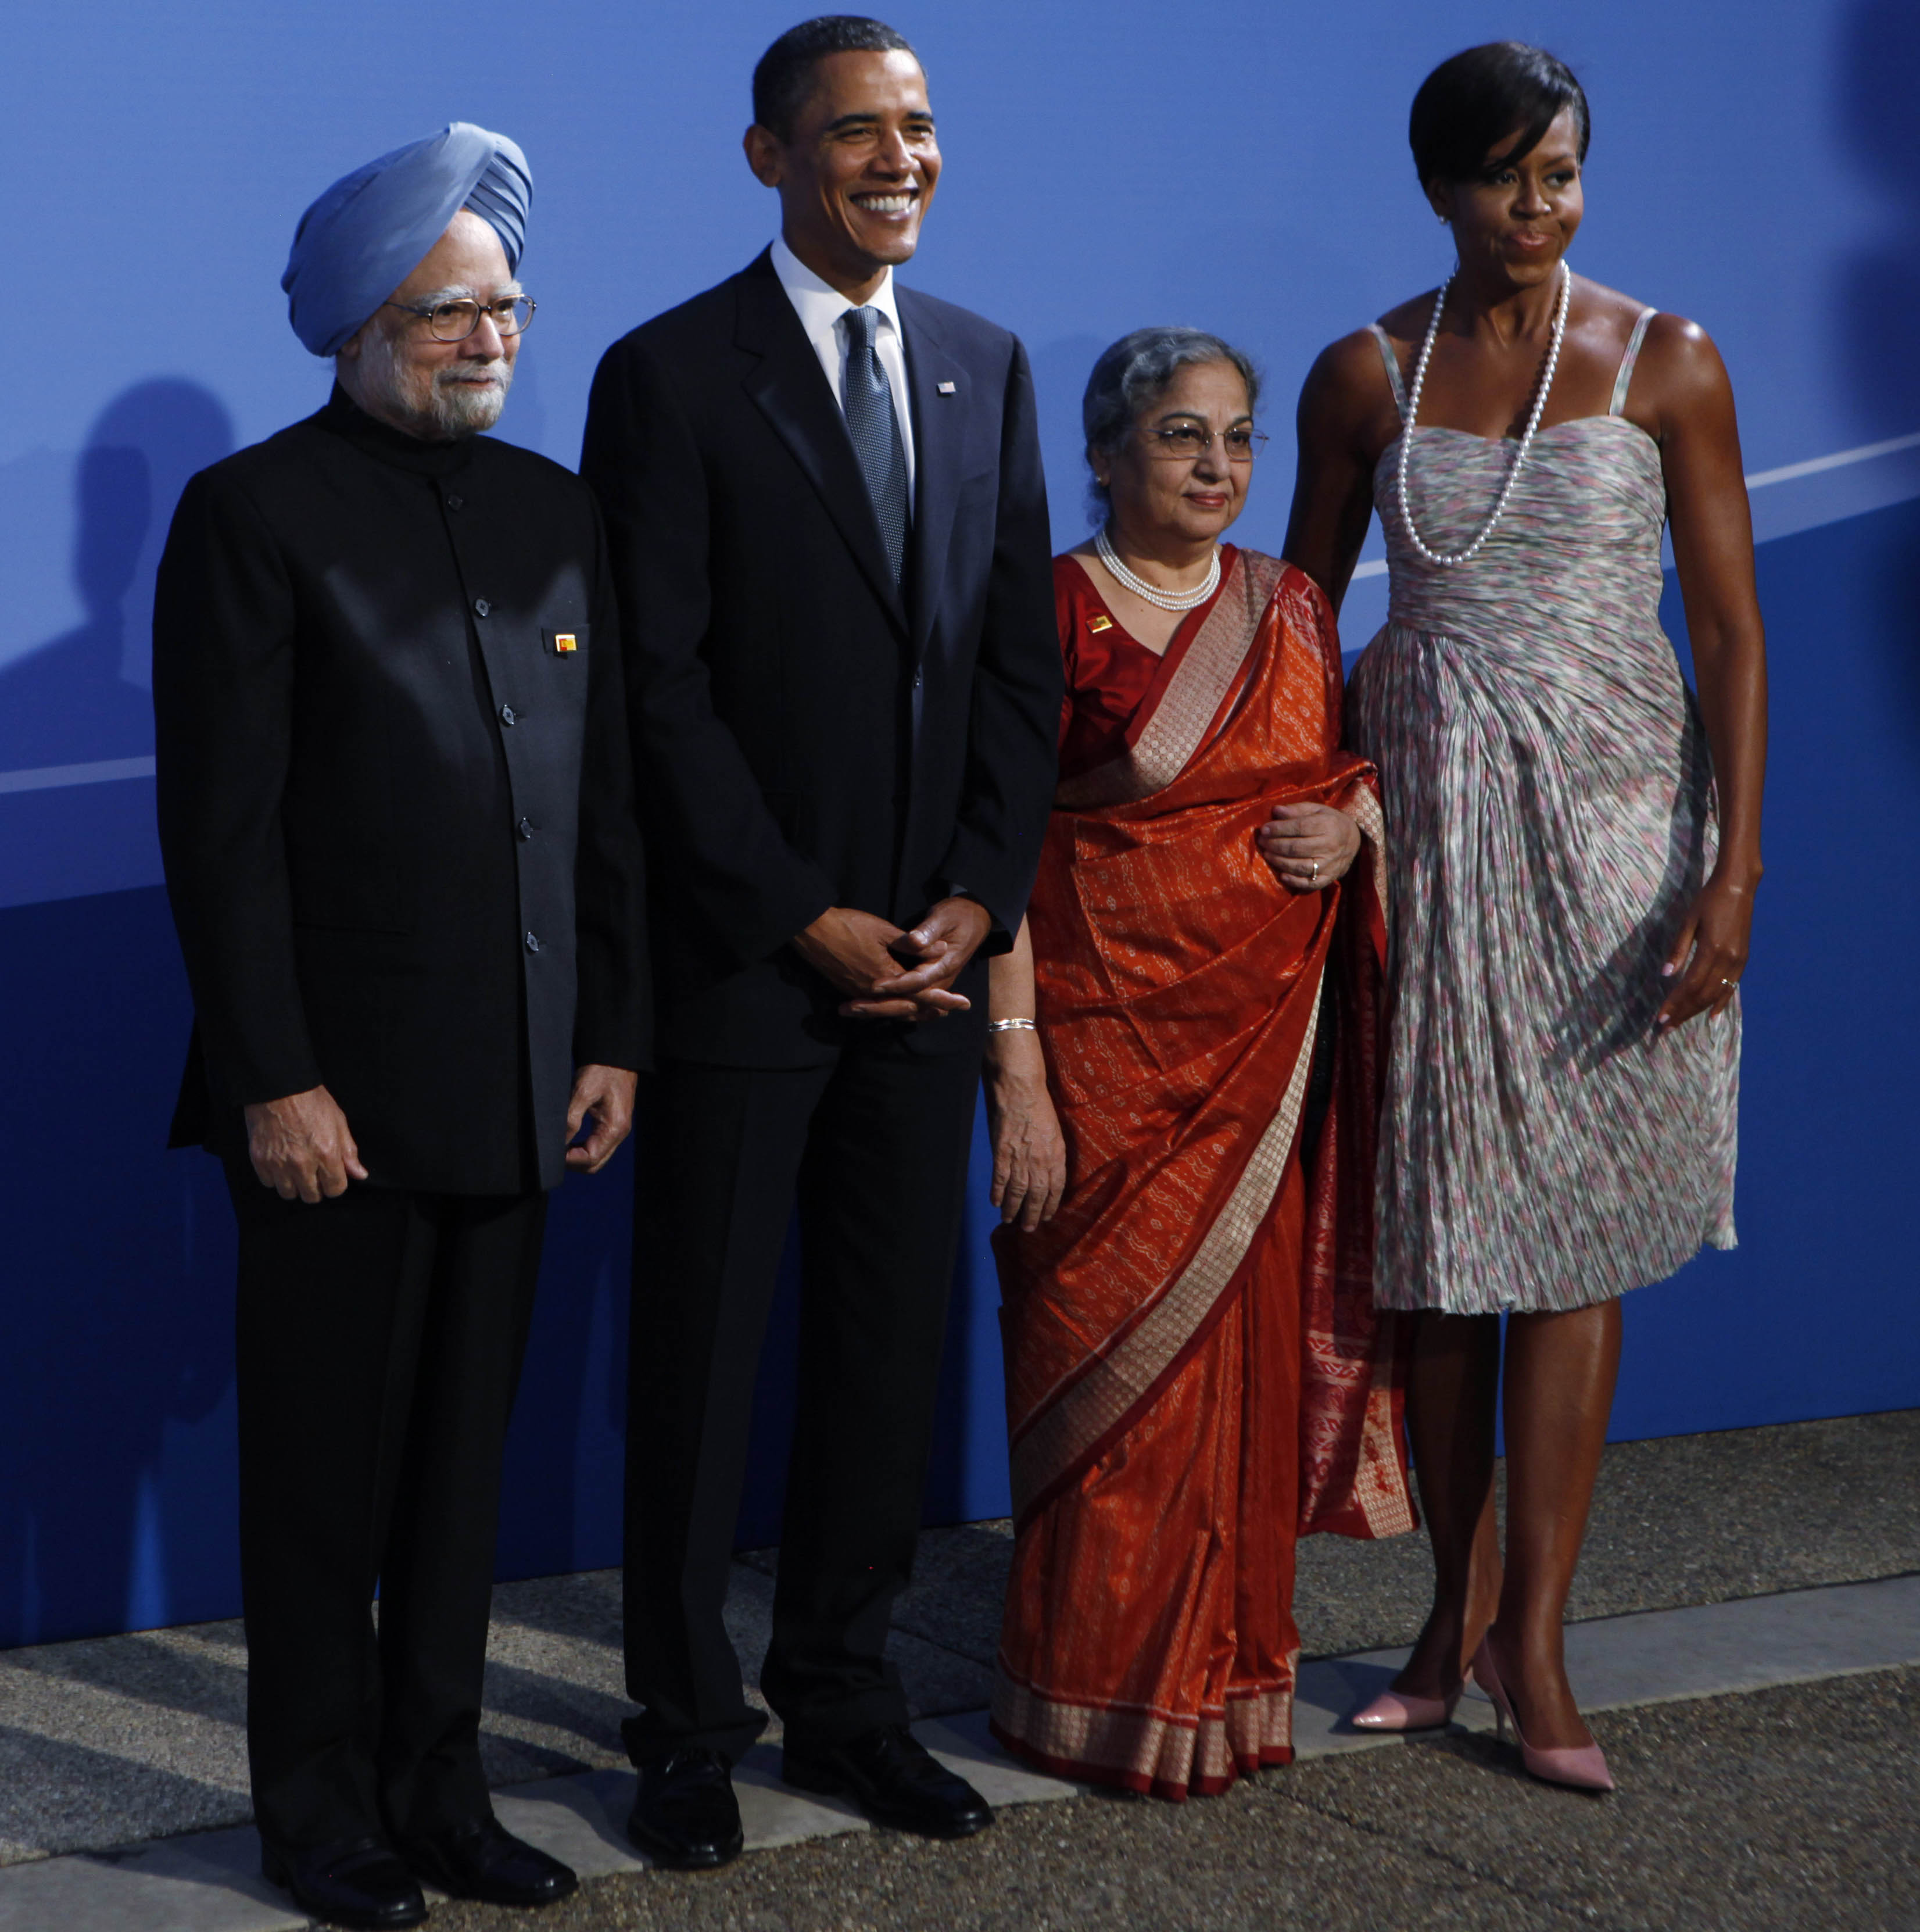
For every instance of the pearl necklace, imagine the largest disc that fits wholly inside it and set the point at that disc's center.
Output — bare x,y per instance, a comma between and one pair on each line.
1526,442
1152,593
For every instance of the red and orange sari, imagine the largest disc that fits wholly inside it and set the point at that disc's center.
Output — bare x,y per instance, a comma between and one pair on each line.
1196,1374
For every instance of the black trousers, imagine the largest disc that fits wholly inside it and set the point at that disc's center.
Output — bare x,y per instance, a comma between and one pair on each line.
875,1148
380,1341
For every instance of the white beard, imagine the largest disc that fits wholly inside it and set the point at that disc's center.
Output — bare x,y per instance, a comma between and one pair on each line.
439,405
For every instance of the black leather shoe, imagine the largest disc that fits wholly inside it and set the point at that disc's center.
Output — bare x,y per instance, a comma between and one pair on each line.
686,1816
484,1860
359,1882
894,1780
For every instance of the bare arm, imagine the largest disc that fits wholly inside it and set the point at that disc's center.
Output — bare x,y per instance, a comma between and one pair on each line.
1339,426
1029,1151
1713,548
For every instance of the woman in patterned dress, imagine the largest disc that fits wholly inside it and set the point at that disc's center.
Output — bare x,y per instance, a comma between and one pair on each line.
1195,1373
1575,842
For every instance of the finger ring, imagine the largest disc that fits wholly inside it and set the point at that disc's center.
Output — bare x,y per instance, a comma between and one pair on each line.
1730,982
1315,872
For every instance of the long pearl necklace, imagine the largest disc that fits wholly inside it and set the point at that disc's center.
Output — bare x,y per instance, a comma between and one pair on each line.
1152,593
1526,442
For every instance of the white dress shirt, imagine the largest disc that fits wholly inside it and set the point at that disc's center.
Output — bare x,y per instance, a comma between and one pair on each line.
821,309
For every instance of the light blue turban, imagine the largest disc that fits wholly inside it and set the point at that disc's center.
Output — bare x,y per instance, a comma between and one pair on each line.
372,228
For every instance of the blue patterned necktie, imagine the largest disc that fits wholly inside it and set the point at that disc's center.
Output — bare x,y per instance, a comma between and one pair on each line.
875,429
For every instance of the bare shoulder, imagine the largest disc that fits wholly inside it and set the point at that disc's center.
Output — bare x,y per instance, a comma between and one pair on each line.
1348,372
1674,342
1671,343
1680,371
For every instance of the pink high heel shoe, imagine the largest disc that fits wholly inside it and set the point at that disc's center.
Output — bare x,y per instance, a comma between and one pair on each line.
1400,1710
1582,1766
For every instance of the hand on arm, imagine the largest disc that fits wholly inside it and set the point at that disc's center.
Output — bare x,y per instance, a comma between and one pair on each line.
607,1094
1308,846
1029,1150
301,1148
1713,548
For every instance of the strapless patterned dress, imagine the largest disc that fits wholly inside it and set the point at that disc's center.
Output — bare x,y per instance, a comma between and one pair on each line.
1551,817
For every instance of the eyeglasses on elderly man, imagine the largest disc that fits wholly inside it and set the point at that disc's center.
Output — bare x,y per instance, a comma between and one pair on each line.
455,319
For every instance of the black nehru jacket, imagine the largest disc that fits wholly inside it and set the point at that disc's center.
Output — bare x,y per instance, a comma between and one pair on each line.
808,733
395,799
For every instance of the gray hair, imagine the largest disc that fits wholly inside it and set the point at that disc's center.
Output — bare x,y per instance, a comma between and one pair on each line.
1133,375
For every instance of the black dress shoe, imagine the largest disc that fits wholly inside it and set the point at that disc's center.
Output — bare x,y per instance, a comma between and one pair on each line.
894,1780
686,1816
359,1882
484,1860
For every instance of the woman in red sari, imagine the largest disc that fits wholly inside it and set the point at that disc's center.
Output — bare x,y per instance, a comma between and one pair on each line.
1195,1373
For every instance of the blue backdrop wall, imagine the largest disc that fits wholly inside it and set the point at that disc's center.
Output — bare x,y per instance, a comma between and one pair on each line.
1109,162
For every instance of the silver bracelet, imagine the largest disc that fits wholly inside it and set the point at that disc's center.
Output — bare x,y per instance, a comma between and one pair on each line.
1011,1026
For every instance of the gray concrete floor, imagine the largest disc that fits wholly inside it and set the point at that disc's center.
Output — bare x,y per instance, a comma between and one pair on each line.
127,1739
1783,1809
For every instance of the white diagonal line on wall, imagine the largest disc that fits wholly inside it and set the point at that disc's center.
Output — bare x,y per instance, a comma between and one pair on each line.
52,778
1839,460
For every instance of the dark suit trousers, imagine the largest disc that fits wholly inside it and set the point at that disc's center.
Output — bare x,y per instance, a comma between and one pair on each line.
380,1339
875,1147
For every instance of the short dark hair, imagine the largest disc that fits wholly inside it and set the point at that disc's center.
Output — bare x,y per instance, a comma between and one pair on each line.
784,77
1471,104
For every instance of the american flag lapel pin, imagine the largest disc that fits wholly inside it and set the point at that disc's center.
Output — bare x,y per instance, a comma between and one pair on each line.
945,388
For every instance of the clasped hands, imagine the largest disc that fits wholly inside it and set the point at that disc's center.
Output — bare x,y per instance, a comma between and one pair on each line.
887,974
302,1147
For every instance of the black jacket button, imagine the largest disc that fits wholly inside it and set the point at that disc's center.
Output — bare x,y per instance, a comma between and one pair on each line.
455,502
508,716
532,944
481,607
525,828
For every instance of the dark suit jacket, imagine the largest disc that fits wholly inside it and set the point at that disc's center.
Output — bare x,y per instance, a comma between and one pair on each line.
396,818
806,736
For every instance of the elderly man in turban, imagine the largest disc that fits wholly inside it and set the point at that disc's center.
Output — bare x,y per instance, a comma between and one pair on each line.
395,809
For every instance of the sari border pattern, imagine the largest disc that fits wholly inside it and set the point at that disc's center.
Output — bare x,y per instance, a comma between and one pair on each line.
1113,1386
1144,1748
1193,696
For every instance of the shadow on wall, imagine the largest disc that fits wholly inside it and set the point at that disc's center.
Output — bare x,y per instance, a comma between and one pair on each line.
82,697
1877,288
115,1383
117,1494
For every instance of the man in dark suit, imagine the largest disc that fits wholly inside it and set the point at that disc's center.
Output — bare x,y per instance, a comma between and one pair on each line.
396,812
824,499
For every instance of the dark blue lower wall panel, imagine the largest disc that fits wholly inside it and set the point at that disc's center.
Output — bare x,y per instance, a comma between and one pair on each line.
116,1398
